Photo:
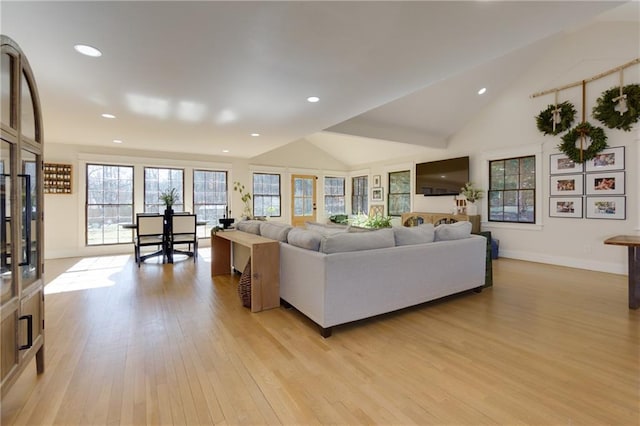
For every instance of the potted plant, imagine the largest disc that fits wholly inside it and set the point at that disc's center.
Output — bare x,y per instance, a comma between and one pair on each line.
245,197
472,194
169,198
371,222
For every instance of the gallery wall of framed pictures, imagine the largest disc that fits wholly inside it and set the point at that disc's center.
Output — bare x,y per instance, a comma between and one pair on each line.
594,189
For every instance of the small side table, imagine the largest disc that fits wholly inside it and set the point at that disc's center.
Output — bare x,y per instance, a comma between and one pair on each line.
633,244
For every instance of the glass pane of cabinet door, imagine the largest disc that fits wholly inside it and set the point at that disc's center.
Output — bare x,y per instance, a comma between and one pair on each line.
6,89
7,289
27,115
29,223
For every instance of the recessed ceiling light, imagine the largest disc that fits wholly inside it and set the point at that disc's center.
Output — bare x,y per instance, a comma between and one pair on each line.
313,99
255,134
482,91
117,141
225,150
87,50
108,116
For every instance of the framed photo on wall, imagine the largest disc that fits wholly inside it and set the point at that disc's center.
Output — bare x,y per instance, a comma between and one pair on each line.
609,183
377,194
376,181
561,164
565,207
607,159
565,185
606,208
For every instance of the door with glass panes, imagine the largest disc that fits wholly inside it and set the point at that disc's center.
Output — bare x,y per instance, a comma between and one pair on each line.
21,263
303,199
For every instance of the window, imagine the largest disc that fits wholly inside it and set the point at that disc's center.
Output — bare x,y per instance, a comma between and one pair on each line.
359,197
109,204
512,187
159,180
334,200
266,195
209,198
399,193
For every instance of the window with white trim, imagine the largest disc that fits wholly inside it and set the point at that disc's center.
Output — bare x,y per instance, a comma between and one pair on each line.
399,193
159,180
360,195
109,204
210,198
266,194
334,195
512,190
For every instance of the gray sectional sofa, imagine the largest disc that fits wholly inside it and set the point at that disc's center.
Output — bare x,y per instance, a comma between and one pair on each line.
334,276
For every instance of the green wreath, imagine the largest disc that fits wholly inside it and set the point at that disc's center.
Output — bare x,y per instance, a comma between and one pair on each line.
605,112
598,142
544,120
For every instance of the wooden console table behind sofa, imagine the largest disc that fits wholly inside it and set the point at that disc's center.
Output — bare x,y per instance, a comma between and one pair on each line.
265,265
438,218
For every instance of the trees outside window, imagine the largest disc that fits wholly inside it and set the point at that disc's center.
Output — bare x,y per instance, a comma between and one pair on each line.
158,180
109,204
512,190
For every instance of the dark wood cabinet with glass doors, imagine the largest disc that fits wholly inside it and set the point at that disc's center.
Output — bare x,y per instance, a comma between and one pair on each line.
21,217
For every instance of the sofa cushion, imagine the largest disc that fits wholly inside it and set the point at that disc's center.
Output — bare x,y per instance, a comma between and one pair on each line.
252,226
405,236
326,228
304,238
355,241
453,231
275,231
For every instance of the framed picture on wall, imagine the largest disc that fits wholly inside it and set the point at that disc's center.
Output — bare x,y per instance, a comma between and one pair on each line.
606,208
609,183
561,164
565,207
565,185
607,159
376,181
377,194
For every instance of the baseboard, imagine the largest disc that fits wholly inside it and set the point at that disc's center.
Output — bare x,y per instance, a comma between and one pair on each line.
89,251
571,262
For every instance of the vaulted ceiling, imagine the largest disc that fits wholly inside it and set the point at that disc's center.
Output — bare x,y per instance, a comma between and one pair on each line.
203,77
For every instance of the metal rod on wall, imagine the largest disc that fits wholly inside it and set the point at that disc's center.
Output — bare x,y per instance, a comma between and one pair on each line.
596,77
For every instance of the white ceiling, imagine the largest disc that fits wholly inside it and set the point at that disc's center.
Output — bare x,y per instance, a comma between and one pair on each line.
202,76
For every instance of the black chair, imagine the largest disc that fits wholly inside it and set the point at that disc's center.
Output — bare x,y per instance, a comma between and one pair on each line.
149,232
183,231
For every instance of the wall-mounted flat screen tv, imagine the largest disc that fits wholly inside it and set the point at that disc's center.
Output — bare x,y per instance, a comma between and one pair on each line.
444,177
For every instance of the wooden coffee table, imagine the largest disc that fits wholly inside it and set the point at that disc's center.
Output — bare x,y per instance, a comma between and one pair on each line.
633,244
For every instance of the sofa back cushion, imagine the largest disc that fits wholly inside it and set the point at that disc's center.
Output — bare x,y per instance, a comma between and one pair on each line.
275,230
304,238
422,234
252,226
453,231
326,228
356,241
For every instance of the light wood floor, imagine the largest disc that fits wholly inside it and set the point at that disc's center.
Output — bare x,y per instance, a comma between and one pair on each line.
166,345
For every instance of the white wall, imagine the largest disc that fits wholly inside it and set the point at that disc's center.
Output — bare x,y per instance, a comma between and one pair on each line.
506,128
